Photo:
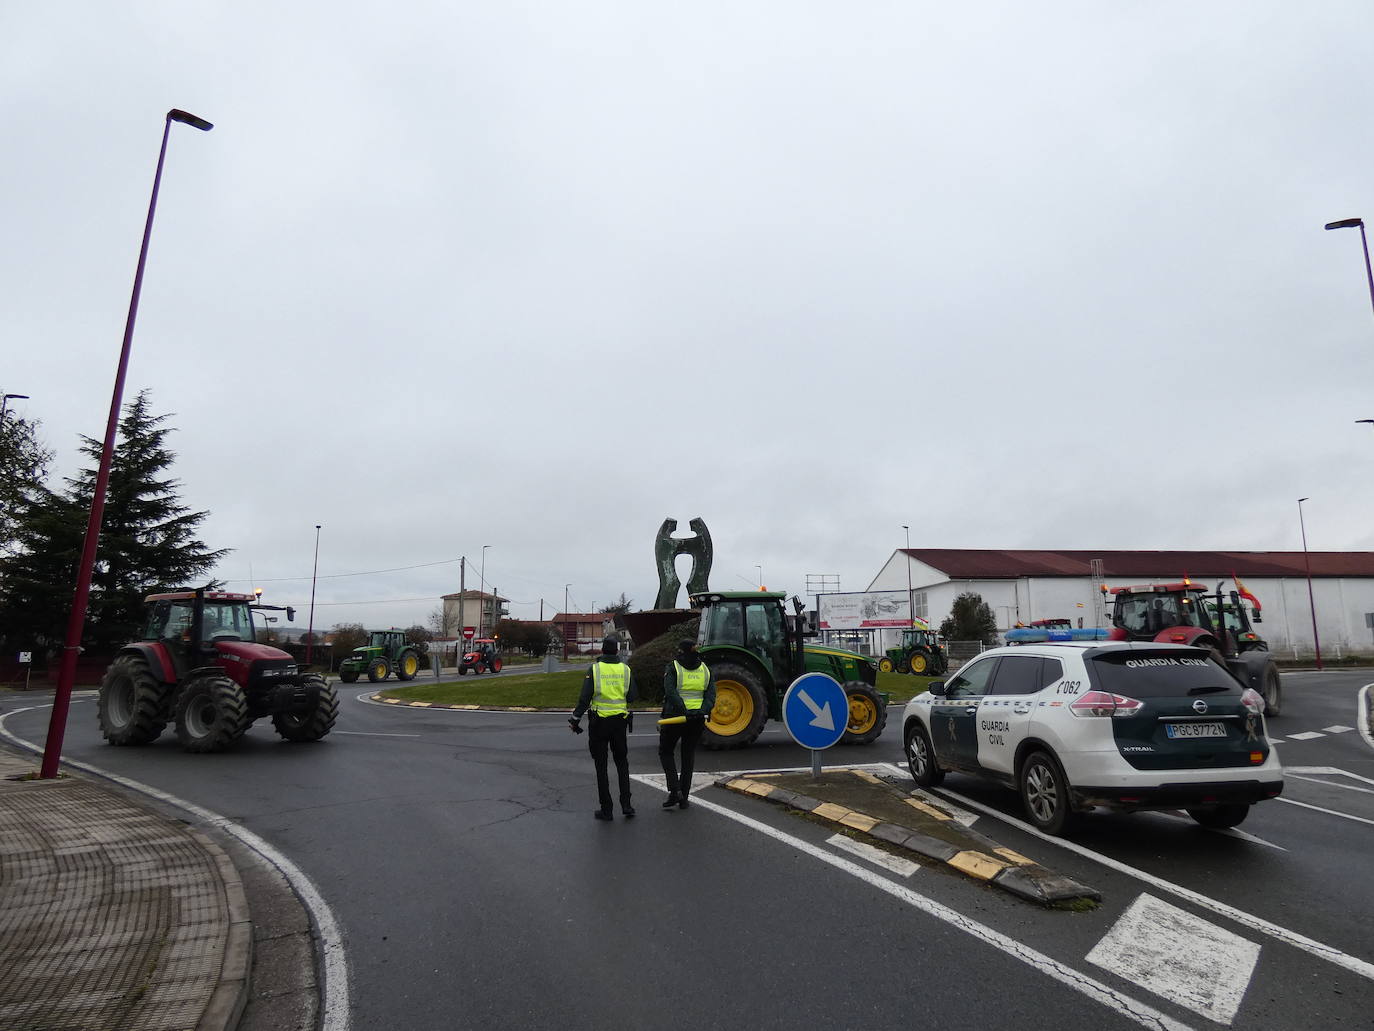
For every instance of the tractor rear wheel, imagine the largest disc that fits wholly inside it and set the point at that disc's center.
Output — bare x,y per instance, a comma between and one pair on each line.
885,665
378,669
1272,689
918,662
312,724
131,703
867,714
212,714
741,708
348,676
407,665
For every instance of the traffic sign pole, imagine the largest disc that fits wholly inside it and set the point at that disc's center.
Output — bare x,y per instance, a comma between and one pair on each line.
815,711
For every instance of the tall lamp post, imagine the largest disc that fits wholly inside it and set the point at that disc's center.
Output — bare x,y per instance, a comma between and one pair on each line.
482,594
1351,223
310,630
5,401
1311,601
566,621
910,601
57,723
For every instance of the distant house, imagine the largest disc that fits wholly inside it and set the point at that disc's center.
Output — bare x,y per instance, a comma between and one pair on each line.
583,631
477,609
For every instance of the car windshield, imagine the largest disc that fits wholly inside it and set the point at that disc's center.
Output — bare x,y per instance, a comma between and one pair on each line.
1172,673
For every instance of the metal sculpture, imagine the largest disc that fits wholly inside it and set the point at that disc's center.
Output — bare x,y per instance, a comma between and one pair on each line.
666,550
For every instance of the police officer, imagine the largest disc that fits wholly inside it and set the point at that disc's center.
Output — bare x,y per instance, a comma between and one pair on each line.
689,690
608,689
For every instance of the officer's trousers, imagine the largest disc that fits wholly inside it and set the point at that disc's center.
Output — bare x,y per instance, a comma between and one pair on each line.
608,733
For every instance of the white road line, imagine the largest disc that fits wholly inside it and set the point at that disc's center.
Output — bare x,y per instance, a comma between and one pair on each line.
1180,957
1283,934
1337,729
334,1002
1329,812
1328,771
1306,735
901,867
1329,783
1140,1012
366,733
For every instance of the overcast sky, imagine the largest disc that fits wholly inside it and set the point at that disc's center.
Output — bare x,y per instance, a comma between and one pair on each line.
540,275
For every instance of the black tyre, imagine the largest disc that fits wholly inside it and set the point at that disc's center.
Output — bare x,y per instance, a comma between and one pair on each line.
131,706
886,665
462,671
212,714
920,757
741,708
1220,817
867,714
1272,689
1045,792
407,665
377,670
348,676
313,724
918,662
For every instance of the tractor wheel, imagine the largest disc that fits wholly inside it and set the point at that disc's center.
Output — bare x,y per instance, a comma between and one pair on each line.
1272,689
348,676
212,714
496,665
407,665
313,724
885,665
462,671
867,714
918,662
740,711
378,669
131,703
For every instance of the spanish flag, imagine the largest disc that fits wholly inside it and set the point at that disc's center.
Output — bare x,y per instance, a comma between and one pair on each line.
1244,592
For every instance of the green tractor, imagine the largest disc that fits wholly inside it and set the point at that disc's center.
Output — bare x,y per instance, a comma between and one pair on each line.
920,652
755,652
386,652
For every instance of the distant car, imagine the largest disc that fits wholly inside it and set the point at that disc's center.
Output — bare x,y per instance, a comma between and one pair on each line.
1126,726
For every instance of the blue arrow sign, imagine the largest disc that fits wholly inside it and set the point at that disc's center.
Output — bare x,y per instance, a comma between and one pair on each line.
815,711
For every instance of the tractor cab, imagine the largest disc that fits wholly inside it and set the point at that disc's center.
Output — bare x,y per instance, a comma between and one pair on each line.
191,624
756,623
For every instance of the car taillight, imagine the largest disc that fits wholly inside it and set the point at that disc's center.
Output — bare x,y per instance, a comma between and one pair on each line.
1253,701
1103,703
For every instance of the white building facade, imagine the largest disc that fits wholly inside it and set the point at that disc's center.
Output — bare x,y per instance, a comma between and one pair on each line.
1023,586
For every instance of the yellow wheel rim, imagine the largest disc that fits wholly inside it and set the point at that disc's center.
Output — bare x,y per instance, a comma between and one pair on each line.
410,663
918,663
863,714
734,709
885,665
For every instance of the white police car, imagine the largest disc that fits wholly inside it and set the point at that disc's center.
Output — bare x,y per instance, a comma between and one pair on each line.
1122,725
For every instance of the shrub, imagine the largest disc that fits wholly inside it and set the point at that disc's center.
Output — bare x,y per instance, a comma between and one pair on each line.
650,660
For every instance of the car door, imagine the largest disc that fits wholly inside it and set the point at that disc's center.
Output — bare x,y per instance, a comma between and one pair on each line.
1005,714
954,718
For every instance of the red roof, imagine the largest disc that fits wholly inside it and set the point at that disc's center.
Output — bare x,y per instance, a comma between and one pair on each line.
996,564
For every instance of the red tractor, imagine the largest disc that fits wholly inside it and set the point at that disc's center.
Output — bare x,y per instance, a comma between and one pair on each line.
198,664
1184,613
482,657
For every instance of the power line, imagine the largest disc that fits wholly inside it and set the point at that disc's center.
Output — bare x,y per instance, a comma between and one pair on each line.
338,576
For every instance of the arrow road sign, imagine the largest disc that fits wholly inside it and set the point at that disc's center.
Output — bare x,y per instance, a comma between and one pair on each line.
815,711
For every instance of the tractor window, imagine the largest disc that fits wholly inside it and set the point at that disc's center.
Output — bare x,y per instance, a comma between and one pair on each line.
227,621
377,640
177,626
157,620
766,636
723,624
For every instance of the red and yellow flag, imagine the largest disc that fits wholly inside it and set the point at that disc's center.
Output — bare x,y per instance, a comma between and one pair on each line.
1244,592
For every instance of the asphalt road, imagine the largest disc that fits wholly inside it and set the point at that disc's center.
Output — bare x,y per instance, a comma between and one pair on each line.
457,851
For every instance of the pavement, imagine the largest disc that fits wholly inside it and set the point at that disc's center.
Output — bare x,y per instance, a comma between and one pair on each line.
116,915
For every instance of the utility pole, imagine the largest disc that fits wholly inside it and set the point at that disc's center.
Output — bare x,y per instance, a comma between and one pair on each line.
462,593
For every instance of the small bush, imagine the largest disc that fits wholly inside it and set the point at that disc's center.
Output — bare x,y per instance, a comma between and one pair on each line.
650,660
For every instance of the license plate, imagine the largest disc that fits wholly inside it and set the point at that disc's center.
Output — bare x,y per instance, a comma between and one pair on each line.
1184,730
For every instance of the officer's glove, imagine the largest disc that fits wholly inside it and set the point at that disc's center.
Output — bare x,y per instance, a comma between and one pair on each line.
575,724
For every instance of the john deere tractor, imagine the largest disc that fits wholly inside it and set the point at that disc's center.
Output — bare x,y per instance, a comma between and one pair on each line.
386,652
920,652
755,651
198,663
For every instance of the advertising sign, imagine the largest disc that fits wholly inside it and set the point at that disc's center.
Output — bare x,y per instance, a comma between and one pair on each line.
865,610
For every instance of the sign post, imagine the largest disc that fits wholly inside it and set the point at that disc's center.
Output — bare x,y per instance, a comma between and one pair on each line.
815,711
26,660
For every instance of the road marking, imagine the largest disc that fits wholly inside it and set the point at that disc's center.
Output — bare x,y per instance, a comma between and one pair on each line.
1134,1009
1333,955
1306,735
1180,957
1329,812
1327,771
366,733
1338,729
962,816
334,992
1328,783
898,865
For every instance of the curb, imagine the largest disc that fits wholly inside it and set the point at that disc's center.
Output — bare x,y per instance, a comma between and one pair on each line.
230,997
993,864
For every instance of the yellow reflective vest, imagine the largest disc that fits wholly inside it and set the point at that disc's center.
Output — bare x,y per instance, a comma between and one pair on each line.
610,682
691,685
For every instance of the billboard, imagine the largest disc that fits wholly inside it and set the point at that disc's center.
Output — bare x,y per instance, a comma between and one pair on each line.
865,610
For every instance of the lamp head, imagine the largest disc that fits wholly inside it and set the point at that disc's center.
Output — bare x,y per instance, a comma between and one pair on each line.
186,118
1345,223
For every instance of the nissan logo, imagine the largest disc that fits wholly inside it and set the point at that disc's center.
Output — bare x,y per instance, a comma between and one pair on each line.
1199,706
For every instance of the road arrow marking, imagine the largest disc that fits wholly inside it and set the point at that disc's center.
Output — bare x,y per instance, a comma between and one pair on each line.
821,713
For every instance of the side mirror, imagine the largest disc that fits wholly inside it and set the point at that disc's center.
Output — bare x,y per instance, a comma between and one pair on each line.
1255,616
937,688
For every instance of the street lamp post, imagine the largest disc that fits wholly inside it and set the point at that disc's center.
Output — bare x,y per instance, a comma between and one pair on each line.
1350,223
5,401
482,594
566,622
57,723
310,630
1311,601
910,599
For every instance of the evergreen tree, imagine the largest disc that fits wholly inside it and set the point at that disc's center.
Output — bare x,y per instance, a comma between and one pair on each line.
970,619
38,578
23,468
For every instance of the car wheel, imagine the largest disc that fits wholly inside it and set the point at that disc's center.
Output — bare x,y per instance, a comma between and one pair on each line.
1222,816
920,757
1045,793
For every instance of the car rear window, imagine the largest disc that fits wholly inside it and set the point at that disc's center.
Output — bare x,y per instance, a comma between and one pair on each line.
1161,674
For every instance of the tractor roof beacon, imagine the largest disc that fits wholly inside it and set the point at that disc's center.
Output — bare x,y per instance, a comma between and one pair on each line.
198,664
755,650
1185,613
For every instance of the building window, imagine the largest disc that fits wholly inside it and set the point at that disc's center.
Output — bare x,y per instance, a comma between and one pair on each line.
921,605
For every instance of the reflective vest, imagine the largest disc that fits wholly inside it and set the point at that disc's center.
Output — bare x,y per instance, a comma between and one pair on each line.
691,685
610,681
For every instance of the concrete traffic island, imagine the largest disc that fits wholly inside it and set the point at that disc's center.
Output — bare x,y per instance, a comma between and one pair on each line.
862,802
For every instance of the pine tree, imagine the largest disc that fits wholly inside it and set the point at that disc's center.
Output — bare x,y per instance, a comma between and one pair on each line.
23,468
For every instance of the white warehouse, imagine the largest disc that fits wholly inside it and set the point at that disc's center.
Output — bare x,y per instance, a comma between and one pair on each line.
1021,586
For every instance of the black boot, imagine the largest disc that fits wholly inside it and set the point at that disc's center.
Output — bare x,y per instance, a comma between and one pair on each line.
628,810
602,814
672,800
682,802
